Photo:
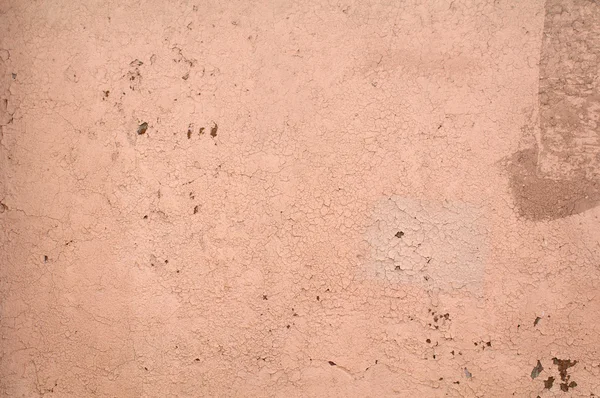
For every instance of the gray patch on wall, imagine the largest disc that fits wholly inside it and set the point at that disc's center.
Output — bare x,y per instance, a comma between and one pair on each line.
560,176
434,245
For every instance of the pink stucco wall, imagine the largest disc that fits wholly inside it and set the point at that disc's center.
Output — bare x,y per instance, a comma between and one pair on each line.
299,199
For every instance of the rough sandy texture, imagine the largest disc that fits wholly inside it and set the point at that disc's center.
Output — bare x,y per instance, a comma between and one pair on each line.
299,199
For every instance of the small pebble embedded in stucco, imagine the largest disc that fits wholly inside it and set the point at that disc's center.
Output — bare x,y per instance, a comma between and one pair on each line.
213,130
537,320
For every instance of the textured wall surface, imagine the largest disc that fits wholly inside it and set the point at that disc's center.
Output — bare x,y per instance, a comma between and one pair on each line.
300,198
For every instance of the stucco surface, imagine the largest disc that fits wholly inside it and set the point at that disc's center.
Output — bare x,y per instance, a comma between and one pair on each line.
299,199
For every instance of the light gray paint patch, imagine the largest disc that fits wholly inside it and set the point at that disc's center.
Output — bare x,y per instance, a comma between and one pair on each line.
435,245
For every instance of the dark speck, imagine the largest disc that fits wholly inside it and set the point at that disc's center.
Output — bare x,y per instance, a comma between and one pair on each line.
201,131
265,297
213,130
399,234
197,359
145,217
142,128
45,259
537,370
331,363
318,298
428,341
537,319
549,383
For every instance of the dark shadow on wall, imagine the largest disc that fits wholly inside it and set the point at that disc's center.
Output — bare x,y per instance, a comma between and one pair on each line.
561,176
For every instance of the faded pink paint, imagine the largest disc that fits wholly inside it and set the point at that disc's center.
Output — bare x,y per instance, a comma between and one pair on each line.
329,199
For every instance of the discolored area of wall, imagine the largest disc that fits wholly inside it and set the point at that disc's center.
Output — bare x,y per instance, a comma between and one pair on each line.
305,199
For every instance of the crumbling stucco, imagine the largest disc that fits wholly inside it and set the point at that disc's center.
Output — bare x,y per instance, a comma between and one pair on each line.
299,199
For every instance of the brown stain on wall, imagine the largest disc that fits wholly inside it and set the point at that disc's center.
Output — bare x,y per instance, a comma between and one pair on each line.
541,198
561,176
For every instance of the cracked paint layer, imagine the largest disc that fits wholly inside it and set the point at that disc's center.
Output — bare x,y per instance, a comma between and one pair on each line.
299,199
